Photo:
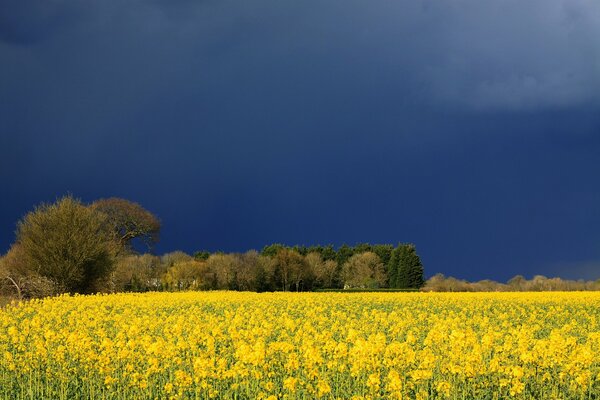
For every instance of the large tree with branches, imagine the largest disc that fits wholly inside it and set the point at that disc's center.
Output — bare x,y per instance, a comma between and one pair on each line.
129,221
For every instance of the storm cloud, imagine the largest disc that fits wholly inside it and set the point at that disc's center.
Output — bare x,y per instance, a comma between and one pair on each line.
499,54
467,127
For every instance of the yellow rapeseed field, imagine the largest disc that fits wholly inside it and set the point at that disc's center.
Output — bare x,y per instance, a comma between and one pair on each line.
302,346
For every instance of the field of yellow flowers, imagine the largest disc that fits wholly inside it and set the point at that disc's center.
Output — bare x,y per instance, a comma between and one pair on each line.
302,346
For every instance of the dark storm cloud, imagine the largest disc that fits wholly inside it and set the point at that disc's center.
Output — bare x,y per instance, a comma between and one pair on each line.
26,22
499,55
467,127
519,55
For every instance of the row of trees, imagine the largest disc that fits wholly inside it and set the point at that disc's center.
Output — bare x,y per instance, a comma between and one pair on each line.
73,247
276,267
539,283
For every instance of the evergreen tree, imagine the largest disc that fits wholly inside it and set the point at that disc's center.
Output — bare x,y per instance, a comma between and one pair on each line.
328,253
362,248
202,255
406,269
343,254
272,249
384,252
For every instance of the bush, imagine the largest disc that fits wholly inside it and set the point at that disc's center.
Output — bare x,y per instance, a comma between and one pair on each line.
16,280
67,245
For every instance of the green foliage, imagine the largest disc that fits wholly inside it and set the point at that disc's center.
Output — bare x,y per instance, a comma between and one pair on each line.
362,248
405,268
202,255
272,249
343,254
384,252
69,247
328,252
68,244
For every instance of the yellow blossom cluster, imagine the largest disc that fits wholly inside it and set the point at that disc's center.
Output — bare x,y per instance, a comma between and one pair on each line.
213,345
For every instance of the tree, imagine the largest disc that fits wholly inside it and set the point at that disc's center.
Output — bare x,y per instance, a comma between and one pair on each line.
272,249
202,255
328,253
187,275
406,269
324,271
343,254
384,252
129,221
265,274
174,257
440,283
289,268
517,282
224,267
68,244
363,270
138,273
362,248
246,274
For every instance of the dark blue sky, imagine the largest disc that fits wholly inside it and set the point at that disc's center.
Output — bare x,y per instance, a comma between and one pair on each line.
469,128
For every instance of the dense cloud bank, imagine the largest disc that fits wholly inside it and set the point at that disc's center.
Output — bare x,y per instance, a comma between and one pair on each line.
468,128
497,55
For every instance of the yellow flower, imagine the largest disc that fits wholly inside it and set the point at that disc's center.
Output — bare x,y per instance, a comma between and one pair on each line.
295,345
109,380
443,388
394,383
516,388
290,384
373,381
323,388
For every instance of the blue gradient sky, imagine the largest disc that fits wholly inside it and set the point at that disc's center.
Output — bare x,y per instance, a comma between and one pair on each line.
469,128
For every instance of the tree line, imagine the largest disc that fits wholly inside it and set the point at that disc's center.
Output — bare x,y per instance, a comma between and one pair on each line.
539,283
275,268
73,247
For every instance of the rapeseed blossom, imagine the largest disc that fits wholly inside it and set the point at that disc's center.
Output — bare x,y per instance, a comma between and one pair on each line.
213,345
